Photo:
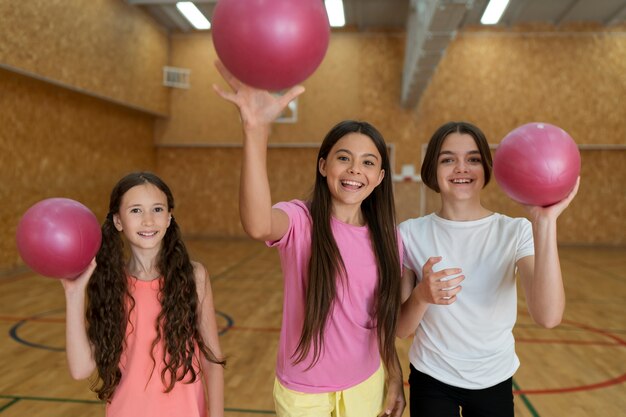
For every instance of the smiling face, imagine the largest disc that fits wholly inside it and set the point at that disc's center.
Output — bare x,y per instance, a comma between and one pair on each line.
460,172
353,168
143,216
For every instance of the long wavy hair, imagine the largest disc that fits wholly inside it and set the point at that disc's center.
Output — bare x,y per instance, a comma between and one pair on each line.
326,264
110,302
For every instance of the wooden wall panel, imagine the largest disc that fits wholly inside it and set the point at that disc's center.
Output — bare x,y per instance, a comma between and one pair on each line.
205,183
105,47
57,143
358,79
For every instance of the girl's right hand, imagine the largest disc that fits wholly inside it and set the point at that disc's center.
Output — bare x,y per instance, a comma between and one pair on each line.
257,107
79,283
434,288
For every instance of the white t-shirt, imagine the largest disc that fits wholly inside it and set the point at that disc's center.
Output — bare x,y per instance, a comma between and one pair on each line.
469,344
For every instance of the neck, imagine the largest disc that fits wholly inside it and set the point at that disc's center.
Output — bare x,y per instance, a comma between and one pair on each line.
349,214
463,210
143,264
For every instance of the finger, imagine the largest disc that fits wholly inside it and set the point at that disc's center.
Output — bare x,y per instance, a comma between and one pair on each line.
446,273
428,266
291,94
227,76
225,94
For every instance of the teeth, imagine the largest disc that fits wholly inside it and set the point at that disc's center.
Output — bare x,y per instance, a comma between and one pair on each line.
150,234
353,183
461,181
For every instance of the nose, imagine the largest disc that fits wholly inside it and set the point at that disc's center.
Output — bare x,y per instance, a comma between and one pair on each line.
354,168
460,166
147,219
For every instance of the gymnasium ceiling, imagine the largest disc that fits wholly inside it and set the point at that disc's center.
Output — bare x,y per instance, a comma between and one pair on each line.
430,24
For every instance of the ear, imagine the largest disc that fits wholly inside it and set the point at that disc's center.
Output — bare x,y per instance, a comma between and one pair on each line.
117,222
169,220
321,165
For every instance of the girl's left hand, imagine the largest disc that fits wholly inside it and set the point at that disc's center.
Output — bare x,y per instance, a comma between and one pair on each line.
555,210
395,401
257,107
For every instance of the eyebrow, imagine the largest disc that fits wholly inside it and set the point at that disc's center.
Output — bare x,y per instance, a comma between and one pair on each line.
452,153
349,152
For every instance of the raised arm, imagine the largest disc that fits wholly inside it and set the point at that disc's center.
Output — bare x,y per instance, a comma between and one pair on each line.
213,373
541,274
78,349
258,109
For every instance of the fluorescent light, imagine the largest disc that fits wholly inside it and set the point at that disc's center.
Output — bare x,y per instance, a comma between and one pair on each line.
334,8
494,12
193,15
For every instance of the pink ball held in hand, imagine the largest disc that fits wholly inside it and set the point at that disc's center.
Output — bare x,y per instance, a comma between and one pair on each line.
58,237
271,45
537,164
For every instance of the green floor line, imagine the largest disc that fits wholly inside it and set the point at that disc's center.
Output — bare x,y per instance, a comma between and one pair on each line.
526,401
9,404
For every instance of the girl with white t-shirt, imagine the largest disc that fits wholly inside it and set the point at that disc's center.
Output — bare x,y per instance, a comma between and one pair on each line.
459,292
341,260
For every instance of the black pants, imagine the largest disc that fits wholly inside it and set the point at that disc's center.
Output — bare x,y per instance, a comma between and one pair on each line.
432,398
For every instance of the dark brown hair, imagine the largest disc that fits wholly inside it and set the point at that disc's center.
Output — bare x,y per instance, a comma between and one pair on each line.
429,166
326,264
110,302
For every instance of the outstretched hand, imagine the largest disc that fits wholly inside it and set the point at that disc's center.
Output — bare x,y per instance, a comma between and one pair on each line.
257,107
555,210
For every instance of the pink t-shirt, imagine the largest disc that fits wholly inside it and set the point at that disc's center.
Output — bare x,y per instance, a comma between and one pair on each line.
140,391
350,352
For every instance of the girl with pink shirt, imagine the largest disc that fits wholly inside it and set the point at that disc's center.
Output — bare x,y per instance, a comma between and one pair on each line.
341,260
149,328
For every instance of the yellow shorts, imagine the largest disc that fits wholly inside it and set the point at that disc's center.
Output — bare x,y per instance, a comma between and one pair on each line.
362,400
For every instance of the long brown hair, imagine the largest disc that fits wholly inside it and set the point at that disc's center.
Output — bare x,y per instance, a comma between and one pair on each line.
110,301
326,263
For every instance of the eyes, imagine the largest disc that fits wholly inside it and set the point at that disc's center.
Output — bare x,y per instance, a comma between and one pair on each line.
472,160
367,161
137,210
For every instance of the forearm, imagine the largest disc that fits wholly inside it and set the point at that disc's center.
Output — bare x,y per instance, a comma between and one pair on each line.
411,313
78,350
214,379
255,202
546,298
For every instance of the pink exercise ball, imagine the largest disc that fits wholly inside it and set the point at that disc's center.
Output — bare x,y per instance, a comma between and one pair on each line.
58,237
537,164
270,44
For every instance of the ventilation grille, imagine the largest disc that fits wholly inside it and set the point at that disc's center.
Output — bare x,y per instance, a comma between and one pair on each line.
176,77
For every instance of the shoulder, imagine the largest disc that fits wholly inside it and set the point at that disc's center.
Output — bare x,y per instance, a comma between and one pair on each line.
294,207
514,222
201,277
411,225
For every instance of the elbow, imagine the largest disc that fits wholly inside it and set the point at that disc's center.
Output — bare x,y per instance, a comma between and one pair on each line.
549,322
403,332
79,374
256,233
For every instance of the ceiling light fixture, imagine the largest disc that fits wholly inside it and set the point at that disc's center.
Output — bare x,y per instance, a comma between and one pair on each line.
334,9
494,11
193,15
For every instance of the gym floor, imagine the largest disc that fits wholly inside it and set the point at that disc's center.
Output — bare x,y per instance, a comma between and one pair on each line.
575,370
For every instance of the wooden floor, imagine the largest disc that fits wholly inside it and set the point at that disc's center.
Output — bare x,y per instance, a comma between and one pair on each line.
577,369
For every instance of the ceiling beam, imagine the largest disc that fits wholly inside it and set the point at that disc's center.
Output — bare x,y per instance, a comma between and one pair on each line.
431,25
